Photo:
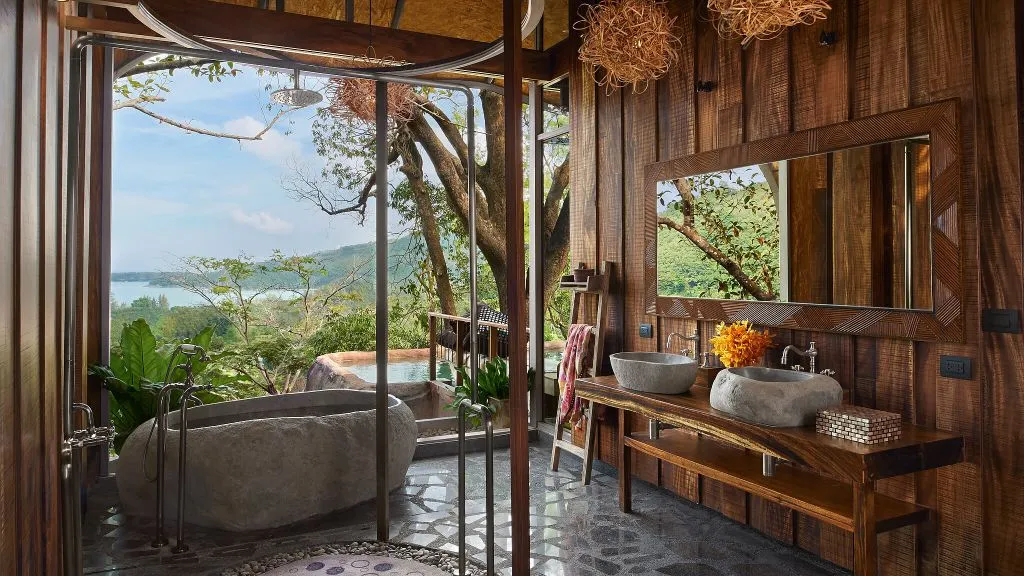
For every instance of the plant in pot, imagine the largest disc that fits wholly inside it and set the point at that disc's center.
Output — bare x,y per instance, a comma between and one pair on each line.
493,388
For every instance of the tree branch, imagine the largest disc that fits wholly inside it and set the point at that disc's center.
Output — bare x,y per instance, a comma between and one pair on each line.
734,269
167,65
135,103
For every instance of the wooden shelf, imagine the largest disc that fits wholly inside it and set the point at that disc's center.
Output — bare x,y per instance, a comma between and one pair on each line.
827,500
917,449
597,283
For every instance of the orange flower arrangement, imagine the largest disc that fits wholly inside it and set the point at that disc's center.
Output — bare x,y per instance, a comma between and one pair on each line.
739,344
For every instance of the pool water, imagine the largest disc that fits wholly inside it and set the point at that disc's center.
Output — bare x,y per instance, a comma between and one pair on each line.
419,370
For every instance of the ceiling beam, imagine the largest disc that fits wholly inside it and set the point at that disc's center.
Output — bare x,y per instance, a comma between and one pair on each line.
242,26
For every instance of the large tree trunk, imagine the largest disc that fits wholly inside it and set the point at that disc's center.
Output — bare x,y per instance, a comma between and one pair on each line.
412,167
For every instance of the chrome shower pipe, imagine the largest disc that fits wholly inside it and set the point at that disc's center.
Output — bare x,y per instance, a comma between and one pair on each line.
467,405
186,396
71,498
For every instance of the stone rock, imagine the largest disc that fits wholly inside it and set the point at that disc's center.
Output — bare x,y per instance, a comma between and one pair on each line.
328,372
781,398
654,372
269,461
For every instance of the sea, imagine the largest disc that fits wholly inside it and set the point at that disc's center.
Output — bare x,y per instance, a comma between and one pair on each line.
128,292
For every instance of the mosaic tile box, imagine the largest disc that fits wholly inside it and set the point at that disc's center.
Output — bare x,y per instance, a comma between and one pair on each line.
859,424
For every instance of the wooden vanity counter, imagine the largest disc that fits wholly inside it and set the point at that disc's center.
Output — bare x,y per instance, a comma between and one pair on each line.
844,497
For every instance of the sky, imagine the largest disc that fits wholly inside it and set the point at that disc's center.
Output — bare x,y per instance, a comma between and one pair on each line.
177,194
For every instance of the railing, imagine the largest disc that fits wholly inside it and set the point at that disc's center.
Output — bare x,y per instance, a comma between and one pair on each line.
457,354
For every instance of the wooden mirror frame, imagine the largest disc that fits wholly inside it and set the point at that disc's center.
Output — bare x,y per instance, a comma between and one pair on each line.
944,322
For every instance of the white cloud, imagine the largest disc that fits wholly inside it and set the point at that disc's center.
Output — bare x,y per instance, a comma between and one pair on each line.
262,221
274,146
136,205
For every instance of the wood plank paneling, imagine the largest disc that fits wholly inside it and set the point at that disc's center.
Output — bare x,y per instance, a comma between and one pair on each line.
998,33
582,158
887,56
29,295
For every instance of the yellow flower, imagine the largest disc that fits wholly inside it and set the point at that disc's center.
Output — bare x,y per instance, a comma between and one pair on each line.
739,344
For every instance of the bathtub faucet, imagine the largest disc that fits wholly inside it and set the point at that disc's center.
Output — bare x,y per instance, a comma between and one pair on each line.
187,389
186,397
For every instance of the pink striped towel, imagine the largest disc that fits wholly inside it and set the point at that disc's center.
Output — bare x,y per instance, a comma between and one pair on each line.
574,364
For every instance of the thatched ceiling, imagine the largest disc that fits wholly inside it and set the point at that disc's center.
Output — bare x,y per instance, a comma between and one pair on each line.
467,19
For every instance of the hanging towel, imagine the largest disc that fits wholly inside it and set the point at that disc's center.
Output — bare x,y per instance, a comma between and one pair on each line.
574,364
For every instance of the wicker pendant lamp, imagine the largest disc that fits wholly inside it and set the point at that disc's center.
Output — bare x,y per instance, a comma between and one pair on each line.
764,19
356,98
628,42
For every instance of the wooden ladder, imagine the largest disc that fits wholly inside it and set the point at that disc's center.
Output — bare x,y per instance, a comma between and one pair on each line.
597,284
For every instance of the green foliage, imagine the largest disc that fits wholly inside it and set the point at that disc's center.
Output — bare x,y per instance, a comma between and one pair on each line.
493,385
357,330
733,210
153,77
135,375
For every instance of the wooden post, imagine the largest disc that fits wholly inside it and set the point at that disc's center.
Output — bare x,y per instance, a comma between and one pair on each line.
865,541
625,465
492,342
432,328
588,443
519,456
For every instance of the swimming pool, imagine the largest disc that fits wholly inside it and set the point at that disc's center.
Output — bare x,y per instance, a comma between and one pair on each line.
419,370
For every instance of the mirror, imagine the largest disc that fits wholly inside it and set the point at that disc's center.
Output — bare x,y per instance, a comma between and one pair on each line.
850,227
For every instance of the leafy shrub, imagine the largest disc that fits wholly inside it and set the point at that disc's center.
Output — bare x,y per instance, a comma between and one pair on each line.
138,366
357,330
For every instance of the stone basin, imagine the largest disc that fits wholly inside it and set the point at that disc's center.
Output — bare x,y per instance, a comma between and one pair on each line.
772,397
654,372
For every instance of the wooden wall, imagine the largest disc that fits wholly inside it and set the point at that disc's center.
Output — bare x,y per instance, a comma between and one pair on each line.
887,56
30,287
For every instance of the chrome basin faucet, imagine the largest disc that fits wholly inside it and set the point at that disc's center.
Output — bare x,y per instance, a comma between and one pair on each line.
695,338
811,353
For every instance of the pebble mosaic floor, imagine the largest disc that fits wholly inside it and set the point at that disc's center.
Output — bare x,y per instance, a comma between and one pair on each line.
334,564
576,530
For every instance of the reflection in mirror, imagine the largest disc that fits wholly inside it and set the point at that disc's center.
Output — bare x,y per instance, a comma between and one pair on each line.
848,228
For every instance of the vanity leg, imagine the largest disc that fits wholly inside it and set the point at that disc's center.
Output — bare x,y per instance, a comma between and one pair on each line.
865,540
589,444
625,465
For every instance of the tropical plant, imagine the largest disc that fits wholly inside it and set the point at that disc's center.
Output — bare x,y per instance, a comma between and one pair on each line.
493,386
135,375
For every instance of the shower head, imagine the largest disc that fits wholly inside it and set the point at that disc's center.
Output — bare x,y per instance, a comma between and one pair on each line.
296,96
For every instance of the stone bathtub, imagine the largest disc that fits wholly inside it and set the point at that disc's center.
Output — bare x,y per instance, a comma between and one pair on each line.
269,461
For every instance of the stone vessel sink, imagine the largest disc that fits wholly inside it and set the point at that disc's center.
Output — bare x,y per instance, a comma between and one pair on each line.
773,397
654,372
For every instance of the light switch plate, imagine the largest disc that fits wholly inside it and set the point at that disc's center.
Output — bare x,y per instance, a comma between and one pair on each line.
647,331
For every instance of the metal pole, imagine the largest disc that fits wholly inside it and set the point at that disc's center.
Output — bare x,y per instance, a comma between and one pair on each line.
462,488
489,481
484,412
71,498
474,329
536,287
383,520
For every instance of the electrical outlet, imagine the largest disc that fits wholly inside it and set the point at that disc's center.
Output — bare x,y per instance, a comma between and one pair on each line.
959,367
647,331
1000,320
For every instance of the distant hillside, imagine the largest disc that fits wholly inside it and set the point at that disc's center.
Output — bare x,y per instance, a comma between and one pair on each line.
340,263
